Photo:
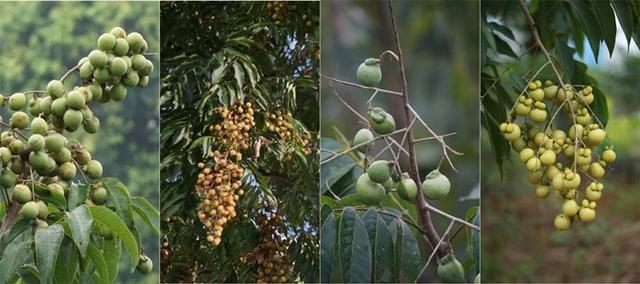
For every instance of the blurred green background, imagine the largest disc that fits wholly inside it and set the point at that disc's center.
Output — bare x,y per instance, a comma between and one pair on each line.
439,41
40,41
519,241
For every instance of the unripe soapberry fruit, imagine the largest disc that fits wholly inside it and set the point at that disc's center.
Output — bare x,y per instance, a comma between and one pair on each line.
94,169
363,136
39,126
407,188
368,191
118,92
450,270
55,89
75,100
72,119
121,48
436,185
145,265
21,193
118,67
381,122
106,42
99,196
36,142
30,210
19,120
17,101
8,180
369,73
118,32
136,41
378,171
98,58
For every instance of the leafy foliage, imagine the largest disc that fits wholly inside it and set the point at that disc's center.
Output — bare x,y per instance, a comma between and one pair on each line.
216,54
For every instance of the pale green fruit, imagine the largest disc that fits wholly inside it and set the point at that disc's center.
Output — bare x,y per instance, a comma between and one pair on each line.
118,32
436,185
86,70
54,142
75,100
17,101
101,75
30,210
144,81
55,89
99,196
67,171
145,265
363,136
98,58
407,188
118,92
36,142
450,270
39,126
131,79
72,119
21,192
136,41
138,62
368,191
43,210
121,48
369,72
587,214
118,67
106,42
59,106
91,125
20,120
381,122
379,171
94,169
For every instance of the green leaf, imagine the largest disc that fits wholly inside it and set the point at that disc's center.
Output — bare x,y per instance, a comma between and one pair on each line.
29,274
100,264
218,73
332,171
119,197
16,230
16,254
600,106
565,56
407,254
238,74
327,248
590,24
47,244
499,145
77,195
624,14
469,217
111,253
80,222
382,247
354,248
607,22
148,213
106,217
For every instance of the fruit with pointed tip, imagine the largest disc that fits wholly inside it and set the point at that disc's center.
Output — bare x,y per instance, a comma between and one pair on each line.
369,72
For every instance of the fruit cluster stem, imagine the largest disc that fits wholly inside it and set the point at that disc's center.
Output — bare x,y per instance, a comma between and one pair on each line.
421,203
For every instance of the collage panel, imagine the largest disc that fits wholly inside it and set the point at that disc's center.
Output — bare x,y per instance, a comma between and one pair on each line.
239,136
399,144
79,142
560,164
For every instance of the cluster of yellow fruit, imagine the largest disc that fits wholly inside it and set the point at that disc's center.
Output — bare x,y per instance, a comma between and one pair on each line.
274,265
280,123
220,180
558,159
281,10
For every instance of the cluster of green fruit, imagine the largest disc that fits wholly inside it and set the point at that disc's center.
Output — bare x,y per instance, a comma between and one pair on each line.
554,157
274,265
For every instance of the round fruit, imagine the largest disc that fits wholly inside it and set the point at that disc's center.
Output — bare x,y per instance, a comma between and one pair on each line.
369,73
368,191
118,66
39,126
538,115
562,222
98,58
106,42
363,136
138,62
54,142
596,170
45,106
596,136
537,94
548,158
118,92
381,122
21,192
67,170
17,101
407,188
72,119
136,41
145,265
101,75
118,32
570,208
20,120
105,232
30,210
450,270
86,70
96,91
144,81
61,156
75,100
511,131
43,210
378,171
533,164
38,159
55,89
99,196
36,142
131,79
609,156
526,154
56,188
550,92
121,48
436,185
542,191
587,214
94,169
91,125
59,106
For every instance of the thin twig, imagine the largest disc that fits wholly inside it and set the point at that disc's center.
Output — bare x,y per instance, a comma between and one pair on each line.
64,77
358,145
361,86
424,268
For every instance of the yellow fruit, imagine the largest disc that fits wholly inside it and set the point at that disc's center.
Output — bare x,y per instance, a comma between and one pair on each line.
609,156
596,170
596,136
542,191
533,164
548,158
562,222
587,214
570,208
526,154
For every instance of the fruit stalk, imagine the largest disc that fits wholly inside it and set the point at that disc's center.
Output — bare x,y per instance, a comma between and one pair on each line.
421,203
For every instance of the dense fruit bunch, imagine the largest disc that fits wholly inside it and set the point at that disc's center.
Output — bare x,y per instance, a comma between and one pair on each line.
280,122
233,131
279,11
274,264
40,166
560,159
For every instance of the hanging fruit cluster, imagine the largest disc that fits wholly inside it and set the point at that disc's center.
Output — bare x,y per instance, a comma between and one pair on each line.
559,159
280,122
41,165
279,11
274,264
220,180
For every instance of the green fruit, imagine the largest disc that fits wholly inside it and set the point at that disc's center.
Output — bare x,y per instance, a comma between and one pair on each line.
36,142
91,125
98,58
121,48
450,270
39,160
363,136
118,92
17,101
39,126
72,119
381,122
86,70
369,73
17,165
56,188
54,142
145,265
118,67
101,75
16,147
148,68
67,171
436,185
30,210
45,106
34,107
407,188
43,210
94,169
82,157
379,171
75,100
5,155
55,89
131,79
61,156
368,191
99,196
21,192
59,106
136,41
96,91
138,62
118,32
144,81
388,185
106,42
